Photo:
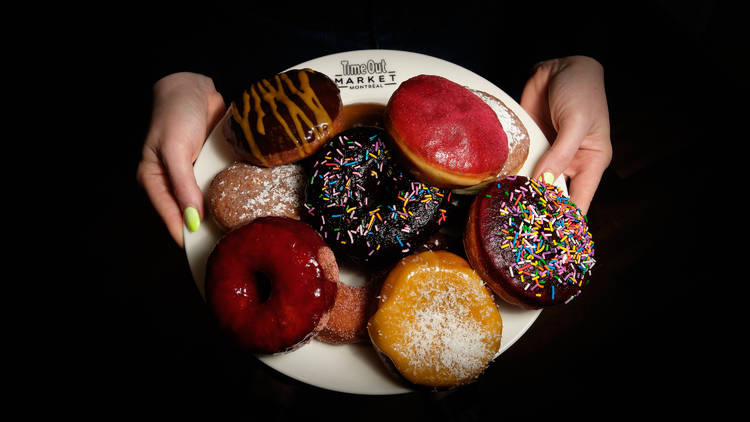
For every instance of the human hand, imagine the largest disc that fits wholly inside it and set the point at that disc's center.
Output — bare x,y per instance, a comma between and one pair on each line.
186,107
566,98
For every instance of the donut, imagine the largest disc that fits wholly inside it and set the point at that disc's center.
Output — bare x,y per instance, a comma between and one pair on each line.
436,325
367,207
347,321
518,136
447,136
285,118
242,192
271,284
529,242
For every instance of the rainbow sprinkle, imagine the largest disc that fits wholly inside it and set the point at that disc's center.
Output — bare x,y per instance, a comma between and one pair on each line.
547,235
346,176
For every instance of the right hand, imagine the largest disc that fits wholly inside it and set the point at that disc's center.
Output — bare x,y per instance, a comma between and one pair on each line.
566,98
186,107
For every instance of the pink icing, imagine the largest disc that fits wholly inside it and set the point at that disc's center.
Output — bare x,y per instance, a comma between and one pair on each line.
446,124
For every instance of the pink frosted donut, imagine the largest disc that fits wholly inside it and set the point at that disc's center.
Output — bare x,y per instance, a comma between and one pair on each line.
447,135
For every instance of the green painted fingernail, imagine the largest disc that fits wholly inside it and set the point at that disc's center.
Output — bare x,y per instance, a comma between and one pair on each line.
192,219
549,178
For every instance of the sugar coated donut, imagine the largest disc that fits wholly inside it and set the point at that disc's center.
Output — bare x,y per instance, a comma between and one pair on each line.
447,135
367,207
436,323
529,243
271,284
242,192
285,118
347,321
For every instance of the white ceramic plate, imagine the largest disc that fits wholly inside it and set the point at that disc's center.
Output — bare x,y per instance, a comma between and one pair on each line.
362,76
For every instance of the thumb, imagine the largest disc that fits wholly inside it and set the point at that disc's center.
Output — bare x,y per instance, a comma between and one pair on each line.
184,134
178,158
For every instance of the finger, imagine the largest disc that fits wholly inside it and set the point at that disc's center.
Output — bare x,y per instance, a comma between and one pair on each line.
183,138
186,107
535,98
151,176
557,158
582,191
178,157
583,187
587,170
216,109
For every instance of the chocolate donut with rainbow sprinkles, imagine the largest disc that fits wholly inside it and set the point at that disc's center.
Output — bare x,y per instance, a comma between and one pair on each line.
529,242
366,206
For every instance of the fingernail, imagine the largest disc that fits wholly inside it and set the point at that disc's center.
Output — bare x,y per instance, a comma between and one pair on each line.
192,219
549,178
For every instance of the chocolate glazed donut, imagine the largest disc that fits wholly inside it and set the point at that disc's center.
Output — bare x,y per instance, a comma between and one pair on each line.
365,205
285,118
529,243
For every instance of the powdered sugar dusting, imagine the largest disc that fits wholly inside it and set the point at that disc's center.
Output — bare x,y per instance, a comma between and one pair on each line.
243,192
515,133
445,333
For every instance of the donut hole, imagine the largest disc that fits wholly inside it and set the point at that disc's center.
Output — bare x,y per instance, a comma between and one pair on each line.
264,285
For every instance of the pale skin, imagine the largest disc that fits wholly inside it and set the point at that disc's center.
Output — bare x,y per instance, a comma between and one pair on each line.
564,96
186,106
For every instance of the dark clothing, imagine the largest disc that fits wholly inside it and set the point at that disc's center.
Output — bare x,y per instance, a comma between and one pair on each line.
498,42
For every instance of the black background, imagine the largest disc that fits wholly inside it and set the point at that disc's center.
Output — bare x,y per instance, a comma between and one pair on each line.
636,340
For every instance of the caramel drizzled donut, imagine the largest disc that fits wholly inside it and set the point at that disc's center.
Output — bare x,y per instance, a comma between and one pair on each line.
285,118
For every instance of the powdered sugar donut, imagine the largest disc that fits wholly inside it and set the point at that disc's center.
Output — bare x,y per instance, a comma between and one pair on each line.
347,321
243,192
436,325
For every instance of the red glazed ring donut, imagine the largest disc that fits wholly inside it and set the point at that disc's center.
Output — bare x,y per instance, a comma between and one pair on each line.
271,284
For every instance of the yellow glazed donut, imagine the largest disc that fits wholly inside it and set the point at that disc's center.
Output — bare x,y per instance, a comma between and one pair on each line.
436,322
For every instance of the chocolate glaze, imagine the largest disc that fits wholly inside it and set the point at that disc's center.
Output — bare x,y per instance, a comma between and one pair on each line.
360,207
285,118
495,262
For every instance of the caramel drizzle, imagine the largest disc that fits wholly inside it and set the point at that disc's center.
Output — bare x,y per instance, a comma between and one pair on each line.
244,122
271,95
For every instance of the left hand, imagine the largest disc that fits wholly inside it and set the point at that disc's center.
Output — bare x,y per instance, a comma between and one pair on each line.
186,107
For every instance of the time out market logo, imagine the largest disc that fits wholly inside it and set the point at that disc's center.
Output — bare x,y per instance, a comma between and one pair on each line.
367,75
